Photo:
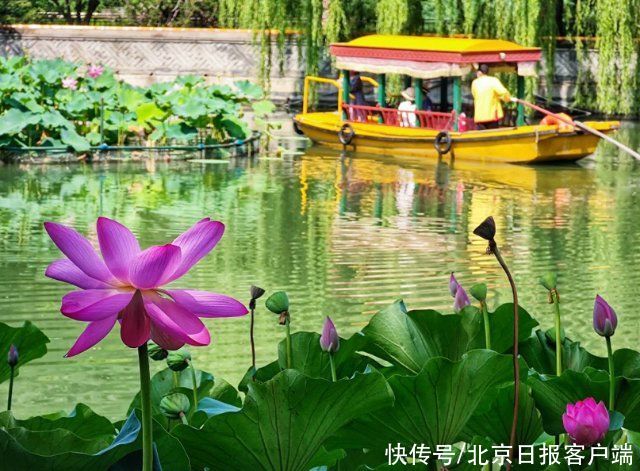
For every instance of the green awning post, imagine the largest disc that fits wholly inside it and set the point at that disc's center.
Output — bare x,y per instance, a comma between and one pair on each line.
345,92
444,94
520,94
457,99
382,93
382,90
417,87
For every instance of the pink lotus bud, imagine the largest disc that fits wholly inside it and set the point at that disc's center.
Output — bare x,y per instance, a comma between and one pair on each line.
453,285
604,318
586,422
12,356
329,340
461,300
70,83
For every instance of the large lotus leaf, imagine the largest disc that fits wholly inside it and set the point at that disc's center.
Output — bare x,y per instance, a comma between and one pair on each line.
28,339
493,417
25,101
283,423
105,81
189,81
552,394
77,104
82,422
217,105
14,121
249,90
180,132
53,119
263,107
408,339
56,449
51,71
235,127
130,98
539,351
74,140
149,113
432,407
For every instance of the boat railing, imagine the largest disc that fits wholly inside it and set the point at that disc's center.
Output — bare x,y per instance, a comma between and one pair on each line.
435,120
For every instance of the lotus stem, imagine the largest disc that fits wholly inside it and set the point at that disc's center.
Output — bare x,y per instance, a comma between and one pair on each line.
556,303
183,418
487,325
145,399
194,381
612,376
288,340
10,396
251,340
332,363
516,364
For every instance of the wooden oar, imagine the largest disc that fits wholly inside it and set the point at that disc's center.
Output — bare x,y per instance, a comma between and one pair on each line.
582,126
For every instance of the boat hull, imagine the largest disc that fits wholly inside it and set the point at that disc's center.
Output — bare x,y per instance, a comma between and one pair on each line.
525,144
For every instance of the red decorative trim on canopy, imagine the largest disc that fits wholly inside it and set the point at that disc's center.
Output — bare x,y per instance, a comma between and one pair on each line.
433,56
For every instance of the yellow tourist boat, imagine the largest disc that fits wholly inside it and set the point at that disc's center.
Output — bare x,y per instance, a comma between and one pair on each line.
382,130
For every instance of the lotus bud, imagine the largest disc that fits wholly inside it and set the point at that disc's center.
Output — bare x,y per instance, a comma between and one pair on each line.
453,285
487,229
278,303
329,340
256,293
549,281
178,360
174,405
12,356
461,300
605,320
156,352
586,422
479,291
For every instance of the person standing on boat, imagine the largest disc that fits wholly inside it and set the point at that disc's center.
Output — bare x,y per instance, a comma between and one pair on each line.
488,93
356,89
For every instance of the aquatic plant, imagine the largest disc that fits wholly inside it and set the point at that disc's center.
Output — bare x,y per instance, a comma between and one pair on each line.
330,343
586,422
256,293
126,285
605,322
550,282
58,104
278,303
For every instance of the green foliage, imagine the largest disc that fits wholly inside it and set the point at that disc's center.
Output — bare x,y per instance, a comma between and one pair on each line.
37,110
28,339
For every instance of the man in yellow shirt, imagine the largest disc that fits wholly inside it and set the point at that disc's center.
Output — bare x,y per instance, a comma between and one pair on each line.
488,92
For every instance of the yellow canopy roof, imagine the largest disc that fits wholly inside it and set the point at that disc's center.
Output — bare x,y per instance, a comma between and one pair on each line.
436,44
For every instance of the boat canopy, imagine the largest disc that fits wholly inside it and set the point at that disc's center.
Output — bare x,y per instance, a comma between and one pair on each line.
430,57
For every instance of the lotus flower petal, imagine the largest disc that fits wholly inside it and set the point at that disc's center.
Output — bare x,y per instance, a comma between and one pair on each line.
119,247
66,271
136,327
176,321
79,251
163,339
93,334
586,422
207,304
94,304
152,267
195,243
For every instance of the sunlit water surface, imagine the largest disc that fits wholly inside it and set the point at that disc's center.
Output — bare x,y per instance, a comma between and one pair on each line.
344,236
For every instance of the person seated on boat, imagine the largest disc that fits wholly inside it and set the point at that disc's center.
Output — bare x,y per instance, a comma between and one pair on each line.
488,93
427,104
407,107
357,91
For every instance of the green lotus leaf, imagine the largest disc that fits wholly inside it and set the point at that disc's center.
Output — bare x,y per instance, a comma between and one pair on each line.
283,423
14,121
28,339
74,140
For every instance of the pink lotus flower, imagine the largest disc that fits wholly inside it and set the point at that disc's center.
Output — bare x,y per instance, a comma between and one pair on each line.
125,285
95,71
586,422
70,83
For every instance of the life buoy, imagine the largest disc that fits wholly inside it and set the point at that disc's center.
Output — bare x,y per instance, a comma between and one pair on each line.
443,142
346,134
297,129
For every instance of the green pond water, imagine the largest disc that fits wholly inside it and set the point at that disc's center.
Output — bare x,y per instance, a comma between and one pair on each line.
343,235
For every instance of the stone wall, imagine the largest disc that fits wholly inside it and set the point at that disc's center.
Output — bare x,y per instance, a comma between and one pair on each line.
145,55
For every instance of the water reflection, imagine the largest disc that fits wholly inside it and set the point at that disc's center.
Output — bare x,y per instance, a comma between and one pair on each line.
344,234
